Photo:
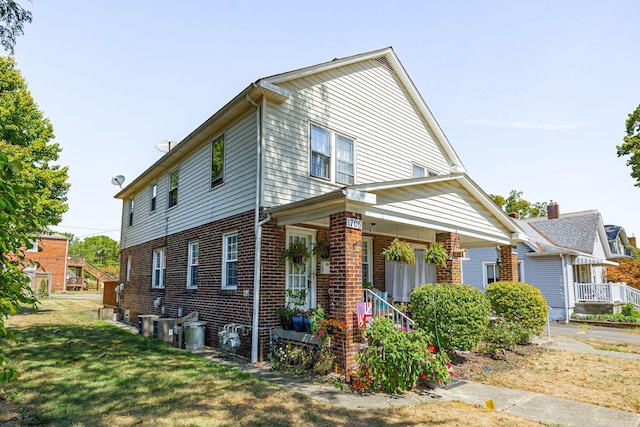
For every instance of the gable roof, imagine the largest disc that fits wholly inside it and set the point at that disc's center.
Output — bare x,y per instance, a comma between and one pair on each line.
268,87
571,234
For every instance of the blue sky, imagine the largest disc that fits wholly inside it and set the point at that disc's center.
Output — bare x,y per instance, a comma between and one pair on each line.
533,96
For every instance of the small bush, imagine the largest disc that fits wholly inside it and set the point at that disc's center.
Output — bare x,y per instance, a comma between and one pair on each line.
456,315
501,334
628,309
522,303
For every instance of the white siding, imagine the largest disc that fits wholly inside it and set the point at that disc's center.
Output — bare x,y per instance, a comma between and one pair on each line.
197,203
364,101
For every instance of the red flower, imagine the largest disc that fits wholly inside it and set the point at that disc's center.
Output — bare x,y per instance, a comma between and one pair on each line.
432,348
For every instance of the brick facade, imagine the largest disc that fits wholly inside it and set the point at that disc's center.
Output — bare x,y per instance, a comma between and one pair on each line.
508,270
52,256
452,273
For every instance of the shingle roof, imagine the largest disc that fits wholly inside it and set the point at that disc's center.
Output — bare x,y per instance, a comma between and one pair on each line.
576,231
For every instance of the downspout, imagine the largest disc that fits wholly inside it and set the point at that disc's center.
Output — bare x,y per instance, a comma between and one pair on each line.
566,288
258,234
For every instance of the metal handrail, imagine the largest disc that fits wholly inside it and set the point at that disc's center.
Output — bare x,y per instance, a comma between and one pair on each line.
382,308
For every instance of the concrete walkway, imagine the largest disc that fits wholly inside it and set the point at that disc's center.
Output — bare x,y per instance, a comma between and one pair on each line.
532,406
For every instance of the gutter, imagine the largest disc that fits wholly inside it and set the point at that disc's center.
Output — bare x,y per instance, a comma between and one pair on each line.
566,288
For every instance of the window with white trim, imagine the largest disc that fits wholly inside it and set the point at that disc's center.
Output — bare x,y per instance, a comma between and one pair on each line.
173,188
192,270
230,261
521,271
159,268
127,277
32,246
154,196
131,203
491,273
418,171
217,161
332,156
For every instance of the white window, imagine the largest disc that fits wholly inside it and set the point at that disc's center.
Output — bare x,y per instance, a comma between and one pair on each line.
521,271
32,246
131,212
418,171
217,161
159,268
173,188
192,271
332,156
490,273
230,260
154,196
127,277
367,259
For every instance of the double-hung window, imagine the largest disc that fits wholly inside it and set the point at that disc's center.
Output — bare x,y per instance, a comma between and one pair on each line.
159,268
131,202
490,273
194,257
367,259
154,196
230,261
217,161
173,188
332,156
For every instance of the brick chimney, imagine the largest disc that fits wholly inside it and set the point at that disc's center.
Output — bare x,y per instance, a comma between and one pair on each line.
632,241
514,215
553,210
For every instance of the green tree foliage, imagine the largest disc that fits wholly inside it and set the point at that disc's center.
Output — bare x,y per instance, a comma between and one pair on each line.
32,190
27,135
12,20
631,144
514,203
102,251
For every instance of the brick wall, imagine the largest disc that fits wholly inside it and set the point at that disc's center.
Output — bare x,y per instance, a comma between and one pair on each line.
452,273
52,258
508,270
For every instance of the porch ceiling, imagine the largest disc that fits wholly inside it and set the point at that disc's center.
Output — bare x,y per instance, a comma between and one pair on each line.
414,209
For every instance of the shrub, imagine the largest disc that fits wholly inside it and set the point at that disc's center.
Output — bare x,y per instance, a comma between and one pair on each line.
393,360
628,309
501,334
456,315
521,303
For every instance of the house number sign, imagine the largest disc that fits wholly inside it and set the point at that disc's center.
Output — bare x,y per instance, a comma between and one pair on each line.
354,223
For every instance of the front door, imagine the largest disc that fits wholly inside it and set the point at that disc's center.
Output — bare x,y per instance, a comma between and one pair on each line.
301,277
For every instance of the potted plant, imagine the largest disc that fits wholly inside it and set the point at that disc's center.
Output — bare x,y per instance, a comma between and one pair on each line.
284,313
297,252
436,254
399,251
321,249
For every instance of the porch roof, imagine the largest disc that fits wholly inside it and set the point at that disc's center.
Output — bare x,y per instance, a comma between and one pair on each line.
414,209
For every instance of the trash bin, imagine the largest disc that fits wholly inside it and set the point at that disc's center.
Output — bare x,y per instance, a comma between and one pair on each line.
194,335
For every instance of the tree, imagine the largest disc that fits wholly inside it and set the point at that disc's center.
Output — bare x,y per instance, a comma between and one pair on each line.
12,19
631,145
627,271
99,250
32,191
516,204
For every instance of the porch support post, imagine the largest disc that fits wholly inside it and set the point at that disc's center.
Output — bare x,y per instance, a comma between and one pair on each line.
345,285
508,270
452,273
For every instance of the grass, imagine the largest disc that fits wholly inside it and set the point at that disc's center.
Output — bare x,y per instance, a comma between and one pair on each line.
609,346
142,381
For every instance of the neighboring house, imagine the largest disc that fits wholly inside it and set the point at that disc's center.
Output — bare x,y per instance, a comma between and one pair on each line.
619,243
48,254
346,152
562,252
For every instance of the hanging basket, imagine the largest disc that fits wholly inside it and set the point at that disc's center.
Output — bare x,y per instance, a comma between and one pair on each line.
399,251
436,254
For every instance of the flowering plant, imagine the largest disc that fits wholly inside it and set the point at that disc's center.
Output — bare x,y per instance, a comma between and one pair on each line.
324,328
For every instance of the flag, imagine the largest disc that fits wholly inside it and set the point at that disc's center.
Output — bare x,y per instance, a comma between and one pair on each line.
364,311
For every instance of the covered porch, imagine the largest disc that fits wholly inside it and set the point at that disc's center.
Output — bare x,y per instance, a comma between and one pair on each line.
358,222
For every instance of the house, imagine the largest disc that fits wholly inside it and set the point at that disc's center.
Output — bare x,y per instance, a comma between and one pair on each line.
619,243
345,152
47,263
566,257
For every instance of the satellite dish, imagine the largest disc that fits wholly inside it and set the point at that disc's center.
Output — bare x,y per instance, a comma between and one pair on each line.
165,145
117,180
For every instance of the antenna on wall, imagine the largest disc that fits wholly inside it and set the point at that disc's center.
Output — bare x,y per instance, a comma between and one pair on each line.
165,145
117,180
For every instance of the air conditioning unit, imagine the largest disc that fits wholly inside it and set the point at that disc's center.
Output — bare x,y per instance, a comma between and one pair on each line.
145,324
163,330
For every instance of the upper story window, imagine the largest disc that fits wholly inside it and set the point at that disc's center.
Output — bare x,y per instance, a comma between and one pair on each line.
194,260
217,161
173,188
154,196
127,277
332,156
131,212
230,261
159,268
418,171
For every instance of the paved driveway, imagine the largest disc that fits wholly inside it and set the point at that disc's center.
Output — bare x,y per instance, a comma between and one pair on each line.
615,335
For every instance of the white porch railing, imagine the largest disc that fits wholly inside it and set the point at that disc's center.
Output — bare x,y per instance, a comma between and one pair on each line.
607,292
382,308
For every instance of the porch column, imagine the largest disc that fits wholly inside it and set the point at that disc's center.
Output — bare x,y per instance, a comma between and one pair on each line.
452,273
345,285
508,270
